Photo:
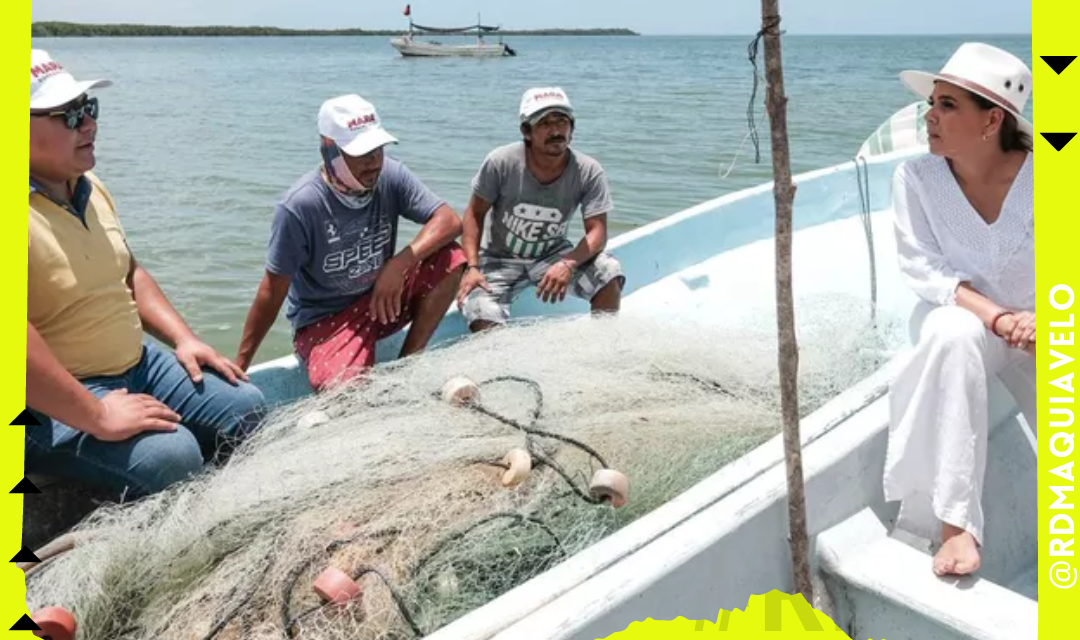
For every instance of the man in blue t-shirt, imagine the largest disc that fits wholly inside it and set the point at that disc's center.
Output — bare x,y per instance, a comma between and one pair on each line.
332,252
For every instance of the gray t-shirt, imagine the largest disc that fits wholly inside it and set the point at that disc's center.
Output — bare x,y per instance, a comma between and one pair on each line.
334,253
529,219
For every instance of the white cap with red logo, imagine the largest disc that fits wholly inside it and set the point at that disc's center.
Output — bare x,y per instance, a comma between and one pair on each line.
539,101
353,124
51,85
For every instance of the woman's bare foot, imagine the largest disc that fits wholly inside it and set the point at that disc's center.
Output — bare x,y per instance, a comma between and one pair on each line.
959,554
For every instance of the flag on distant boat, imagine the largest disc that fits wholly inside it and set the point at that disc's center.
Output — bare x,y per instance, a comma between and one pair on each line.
408,10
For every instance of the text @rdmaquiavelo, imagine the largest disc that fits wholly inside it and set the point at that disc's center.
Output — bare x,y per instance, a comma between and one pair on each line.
1063,573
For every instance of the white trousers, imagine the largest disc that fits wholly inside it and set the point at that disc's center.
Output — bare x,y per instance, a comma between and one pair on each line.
936,460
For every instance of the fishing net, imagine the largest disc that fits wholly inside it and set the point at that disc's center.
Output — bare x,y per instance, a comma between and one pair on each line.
415,498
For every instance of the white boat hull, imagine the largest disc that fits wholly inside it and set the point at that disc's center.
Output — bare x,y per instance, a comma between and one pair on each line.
417,49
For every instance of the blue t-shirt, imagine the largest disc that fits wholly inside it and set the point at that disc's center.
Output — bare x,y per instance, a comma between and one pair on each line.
334,253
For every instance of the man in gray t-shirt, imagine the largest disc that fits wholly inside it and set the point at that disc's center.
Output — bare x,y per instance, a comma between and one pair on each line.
333,253
524,198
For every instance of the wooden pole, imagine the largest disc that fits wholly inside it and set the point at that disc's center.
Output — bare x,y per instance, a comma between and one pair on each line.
784,195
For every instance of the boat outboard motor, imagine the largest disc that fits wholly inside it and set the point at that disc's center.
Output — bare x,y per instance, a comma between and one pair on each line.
509,50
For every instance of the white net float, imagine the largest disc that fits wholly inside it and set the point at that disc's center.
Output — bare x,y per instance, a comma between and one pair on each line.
459,391
519,464
610,485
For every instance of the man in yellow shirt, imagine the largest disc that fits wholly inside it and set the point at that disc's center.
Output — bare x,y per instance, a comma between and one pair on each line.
117,410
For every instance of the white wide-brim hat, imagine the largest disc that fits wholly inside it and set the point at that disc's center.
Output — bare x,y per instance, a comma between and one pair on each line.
990,72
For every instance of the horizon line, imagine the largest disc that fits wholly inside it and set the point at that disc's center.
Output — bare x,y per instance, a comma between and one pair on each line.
594,28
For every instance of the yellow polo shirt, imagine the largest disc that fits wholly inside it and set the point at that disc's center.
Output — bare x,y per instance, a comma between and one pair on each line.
77,293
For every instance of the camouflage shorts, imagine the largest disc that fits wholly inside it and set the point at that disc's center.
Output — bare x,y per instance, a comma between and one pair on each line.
508,277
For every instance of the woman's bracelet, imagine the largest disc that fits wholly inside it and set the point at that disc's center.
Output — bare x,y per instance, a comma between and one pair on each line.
998,316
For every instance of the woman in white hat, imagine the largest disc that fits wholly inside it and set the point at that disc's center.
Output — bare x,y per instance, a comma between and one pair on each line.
965,230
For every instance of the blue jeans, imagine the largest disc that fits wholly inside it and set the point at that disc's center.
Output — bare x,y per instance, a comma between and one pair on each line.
215,416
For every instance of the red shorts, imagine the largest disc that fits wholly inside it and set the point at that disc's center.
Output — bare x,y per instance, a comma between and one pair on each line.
341,347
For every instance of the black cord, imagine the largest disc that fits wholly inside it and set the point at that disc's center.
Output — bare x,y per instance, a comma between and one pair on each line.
530,428
294,575
356,575
538,393
543,459
235,611
710,385
532,432
399,600
495,516
752,54
541,433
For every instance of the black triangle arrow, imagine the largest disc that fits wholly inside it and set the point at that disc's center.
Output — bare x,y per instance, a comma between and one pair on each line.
26,419
1058,63
26,555
25,623
1058,140
25,486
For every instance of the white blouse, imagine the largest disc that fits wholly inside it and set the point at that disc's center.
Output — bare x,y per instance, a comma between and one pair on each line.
943,241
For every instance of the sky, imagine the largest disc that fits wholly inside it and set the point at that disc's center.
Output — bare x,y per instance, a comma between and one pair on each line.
648,17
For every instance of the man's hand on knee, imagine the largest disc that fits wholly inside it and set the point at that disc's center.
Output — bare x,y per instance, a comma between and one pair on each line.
389,288
556,281
472,279
194,354
125,415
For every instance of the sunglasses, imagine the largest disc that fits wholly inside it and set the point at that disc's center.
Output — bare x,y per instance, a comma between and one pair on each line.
73,115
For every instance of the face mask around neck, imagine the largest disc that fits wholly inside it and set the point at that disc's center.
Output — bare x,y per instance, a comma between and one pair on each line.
341,180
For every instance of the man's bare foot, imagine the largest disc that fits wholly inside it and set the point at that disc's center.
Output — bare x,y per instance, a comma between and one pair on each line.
959,554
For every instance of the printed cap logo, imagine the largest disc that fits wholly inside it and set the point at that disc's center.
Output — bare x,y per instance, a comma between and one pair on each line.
361,122
44,70
549,95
